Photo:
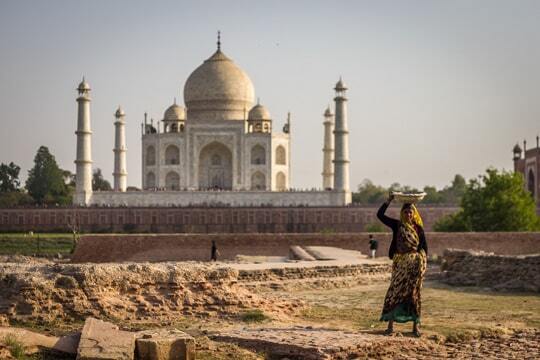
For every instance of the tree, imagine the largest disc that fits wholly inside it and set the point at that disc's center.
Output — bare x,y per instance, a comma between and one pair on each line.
45,181
9,177
433,196
454,193
99,182
368,193
496,201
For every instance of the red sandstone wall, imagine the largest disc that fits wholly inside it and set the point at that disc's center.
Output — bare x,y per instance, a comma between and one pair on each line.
203,220
180,247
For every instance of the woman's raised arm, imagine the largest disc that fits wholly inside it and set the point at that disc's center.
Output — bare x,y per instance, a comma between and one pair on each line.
388,221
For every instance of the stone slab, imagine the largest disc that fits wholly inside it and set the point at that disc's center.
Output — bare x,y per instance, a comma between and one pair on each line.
101,340
33,341
163,344
298,253
311,343
333,253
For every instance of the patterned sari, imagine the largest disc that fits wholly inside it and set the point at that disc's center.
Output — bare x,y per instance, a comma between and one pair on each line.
402,302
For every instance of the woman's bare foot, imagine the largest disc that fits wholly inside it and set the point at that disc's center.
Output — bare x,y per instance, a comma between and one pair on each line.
416,332
390,328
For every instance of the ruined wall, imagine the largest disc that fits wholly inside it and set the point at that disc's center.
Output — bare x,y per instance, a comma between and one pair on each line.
180,247
202,219
165,292
500,272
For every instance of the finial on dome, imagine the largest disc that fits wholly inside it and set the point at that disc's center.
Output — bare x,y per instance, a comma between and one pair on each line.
219,40
175,100
258,101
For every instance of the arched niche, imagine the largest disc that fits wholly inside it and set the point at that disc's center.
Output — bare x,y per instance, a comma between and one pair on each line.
531,183
150,156
172,181
172,155
258,181
281,157
281,181
258,155
150,180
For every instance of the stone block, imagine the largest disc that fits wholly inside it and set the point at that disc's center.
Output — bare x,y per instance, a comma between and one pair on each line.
163,344
101,340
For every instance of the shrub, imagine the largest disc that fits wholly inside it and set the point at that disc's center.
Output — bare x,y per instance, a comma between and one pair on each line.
254,316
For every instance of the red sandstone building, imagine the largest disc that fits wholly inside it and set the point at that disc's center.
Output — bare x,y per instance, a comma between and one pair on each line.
527,162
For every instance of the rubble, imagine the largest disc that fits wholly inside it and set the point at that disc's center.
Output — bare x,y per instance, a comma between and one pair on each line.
499,272
163,344
101,340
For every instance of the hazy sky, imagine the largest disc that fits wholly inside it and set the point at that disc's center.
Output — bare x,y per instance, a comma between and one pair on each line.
436,87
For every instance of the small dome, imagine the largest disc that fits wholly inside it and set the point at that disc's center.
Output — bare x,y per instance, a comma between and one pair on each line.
218,87
83,86
119,112
174,113
258,112
340,85
328,112
517,149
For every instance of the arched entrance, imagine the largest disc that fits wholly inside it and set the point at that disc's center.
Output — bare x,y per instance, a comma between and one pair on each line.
215,167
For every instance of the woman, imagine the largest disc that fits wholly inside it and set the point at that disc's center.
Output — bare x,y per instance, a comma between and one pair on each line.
408,251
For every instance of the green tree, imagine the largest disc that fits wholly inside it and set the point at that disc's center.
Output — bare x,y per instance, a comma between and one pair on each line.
433,196
99,182
368,193
15,198
9,177
454,193
496,201
45,181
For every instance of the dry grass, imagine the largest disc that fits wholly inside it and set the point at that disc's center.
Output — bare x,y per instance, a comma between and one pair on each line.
15,347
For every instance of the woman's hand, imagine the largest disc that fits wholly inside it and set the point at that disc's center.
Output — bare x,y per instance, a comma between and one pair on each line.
390,198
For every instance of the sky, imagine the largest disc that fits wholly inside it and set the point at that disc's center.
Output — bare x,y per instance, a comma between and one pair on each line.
436,88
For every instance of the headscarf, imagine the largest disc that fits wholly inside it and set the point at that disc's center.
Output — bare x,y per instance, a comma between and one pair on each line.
416,215
408,233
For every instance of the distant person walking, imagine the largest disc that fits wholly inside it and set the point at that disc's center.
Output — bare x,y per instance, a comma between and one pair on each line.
373,246
408,252
215,253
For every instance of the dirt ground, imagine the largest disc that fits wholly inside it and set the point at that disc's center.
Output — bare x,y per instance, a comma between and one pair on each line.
456,323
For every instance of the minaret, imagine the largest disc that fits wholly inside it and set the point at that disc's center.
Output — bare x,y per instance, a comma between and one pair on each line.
341,140
328,150
83,175
120,173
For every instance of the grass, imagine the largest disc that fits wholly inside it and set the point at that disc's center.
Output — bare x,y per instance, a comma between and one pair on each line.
24,244
15,347
254,316
455,313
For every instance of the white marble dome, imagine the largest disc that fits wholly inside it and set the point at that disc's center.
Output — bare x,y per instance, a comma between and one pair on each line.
218,90
174,113
259,112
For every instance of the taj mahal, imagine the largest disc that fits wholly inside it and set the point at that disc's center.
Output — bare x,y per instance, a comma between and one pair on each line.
221,148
